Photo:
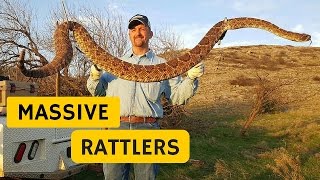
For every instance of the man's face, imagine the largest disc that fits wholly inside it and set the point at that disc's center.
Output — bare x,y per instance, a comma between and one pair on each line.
140,35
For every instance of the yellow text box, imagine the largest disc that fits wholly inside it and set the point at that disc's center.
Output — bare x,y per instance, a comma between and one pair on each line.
130,146
63,112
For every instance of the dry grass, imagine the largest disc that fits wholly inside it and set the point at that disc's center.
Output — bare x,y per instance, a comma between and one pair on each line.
254,58
244,81
285,165
222,171
271,58
173,114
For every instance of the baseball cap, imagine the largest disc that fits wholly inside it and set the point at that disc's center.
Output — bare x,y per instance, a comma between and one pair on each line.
138,19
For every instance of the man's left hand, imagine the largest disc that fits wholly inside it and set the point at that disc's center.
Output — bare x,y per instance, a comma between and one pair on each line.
196,71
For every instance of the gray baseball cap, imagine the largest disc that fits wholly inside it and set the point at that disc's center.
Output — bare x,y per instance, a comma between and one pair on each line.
138,19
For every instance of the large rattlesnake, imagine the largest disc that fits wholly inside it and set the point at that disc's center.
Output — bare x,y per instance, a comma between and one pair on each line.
148,73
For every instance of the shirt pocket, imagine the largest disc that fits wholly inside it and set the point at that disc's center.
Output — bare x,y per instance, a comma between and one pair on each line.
119,87
152,90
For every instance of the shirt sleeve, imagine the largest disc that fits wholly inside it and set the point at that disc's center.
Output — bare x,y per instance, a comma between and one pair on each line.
179,91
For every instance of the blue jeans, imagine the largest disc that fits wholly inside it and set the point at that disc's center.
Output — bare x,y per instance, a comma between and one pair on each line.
142,171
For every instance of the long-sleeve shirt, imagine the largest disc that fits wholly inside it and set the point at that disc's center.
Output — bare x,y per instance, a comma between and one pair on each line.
143,99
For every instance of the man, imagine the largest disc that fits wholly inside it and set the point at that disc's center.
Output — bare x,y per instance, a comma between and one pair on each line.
140,105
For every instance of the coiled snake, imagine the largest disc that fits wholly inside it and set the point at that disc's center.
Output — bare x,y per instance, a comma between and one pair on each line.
144,73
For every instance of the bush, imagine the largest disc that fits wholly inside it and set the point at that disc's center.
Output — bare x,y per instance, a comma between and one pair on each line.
268,99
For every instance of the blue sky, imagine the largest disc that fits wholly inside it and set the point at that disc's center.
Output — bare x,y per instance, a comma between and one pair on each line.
192,19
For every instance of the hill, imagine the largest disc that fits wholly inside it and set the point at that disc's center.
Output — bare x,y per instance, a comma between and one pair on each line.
280,144
226,68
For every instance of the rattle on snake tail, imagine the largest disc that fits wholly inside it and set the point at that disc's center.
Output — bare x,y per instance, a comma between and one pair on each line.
144,73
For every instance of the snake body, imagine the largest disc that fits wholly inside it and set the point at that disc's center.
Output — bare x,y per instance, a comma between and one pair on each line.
145,73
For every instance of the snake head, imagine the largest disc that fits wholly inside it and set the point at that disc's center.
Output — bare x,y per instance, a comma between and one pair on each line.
308,37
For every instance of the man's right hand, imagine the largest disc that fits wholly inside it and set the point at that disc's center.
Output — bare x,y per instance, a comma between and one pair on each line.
95,72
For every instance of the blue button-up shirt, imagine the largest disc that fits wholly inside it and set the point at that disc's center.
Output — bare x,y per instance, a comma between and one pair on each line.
143,99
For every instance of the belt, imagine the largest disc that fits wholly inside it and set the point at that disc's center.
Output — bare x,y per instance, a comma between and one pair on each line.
135,119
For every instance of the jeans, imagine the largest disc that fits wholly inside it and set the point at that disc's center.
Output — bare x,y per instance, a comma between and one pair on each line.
142,171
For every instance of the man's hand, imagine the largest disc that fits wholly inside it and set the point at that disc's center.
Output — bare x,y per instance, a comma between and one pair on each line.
196,71
95,72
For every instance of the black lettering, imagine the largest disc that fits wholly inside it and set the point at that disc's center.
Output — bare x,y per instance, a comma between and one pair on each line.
90,114
125,145
41,112
158,146
79,112
146,146
25,111
103,110
67,111
113,144
86,144
173,147
53,111
135,152
100,147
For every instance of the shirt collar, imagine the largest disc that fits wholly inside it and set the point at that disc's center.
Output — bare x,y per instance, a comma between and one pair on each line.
150,54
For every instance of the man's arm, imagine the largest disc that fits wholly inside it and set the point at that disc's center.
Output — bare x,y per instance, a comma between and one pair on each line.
179,91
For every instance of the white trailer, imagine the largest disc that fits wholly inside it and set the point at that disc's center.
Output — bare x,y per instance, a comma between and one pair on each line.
37,153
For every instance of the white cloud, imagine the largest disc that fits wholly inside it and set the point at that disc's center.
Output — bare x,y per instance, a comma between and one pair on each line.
316,39
298,28
249,6
191,34
113,7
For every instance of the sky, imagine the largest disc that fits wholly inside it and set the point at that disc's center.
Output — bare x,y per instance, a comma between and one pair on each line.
192,19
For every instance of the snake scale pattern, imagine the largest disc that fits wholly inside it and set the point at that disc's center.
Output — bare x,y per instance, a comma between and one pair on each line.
144,73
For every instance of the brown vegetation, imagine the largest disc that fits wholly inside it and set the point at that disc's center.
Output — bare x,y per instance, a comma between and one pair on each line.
316,78
268,98
285,165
